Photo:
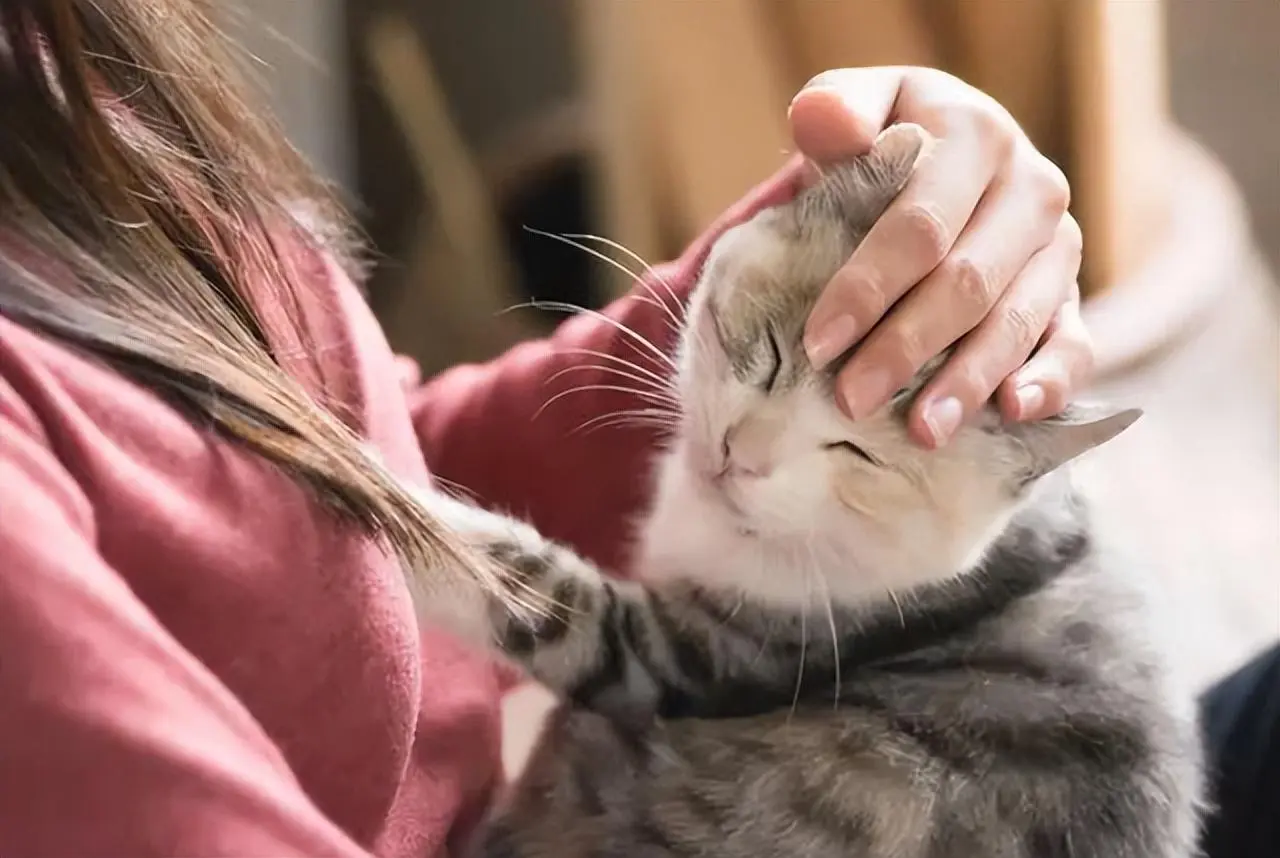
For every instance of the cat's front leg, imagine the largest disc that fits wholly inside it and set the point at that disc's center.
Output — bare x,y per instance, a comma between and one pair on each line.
577,631
580,634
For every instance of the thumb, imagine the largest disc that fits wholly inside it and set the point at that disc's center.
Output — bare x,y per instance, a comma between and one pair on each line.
839,113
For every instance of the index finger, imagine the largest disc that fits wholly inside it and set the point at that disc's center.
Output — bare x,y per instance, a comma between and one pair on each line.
908,241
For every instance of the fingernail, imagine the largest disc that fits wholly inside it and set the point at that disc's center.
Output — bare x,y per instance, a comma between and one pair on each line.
1030,399
943,418
866,391
829,340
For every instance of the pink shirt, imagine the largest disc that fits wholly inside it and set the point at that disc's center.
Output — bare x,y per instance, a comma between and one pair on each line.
195,661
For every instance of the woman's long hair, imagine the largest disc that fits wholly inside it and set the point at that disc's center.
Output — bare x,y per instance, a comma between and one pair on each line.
139,195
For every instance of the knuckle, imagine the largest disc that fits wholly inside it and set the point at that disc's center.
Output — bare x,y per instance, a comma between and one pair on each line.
988,120
910,344
966,377
1084,357
1056,395
1054,189
973,283
925,75
931,85
1070,235
929,230
869,301
1023,328
957,106
977,381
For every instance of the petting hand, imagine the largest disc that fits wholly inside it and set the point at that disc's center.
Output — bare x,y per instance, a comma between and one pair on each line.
978,248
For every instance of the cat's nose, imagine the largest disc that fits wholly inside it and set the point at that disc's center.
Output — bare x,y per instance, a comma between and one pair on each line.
747,453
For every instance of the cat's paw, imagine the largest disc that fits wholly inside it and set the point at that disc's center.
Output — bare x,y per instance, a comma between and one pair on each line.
535,583
455,599
546,587
527,613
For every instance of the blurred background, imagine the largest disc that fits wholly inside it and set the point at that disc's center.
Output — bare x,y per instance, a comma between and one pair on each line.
451,125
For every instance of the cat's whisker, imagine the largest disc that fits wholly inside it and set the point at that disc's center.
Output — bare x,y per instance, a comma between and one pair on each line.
650,396
653,428
574,309
659,428
649,269
648,385
831,616
622,248
662,380
835,637
655,300
569,239
645,415
605,388
656,303
902,615
804,642
666,414
673,324
743,593
655,418
890,593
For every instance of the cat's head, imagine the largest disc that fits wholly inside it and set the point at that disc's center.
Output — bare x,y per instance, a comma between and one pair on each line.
765,465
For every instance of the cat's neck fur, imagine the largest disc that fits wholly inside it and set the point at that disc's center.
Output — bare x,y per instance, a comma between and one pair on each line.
1046,540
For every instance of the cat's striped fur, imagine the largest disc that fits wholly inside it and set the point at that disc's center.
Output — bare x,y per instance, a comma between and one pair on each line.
1013,705
1018,711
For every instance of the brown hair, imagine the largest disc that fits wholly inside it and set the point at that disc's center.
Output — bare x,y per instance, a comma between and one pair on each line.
134,171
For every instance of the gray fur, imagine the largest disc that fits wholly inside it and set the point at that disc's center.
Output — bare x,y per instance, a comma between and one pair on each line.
1018,708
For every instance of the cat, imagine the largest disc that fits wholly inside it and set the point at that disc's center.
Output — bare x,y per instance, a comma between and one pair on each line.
838,643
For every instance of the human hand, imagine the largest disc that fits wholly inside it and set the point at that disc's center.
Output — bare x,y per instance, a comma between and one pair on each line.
978,248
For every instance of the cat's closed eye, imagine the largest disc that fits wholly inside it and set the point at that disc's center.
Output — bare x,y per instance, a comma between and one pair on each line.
850,447
773,365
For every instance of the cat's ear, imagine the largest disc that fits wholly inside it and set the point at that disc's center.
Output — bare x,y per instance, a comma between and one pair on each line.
1054,441
897,148
864,186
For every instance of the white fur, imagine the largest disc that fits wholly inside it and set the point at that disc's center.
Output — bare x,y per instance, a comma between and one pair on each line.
809,523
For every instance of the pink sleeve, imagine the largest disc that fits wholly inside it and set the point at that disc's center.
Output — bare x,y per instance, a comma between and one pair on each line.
103,712
485,426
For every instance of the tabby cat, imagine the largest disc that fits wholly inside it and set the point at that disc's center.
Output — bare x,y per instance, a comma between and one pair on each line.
838,644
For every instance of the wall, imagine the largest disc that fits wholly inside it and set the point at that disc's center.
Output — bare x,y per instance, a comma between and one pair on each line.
302,49
501,59
500,62
1224,68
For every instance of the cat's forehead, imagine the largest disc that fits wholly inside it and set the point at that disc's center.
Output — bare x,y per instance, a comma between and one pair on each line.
767,274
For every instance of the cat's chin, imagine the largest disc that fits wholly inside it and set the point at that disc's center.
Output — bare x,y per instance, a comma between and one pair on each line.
691,534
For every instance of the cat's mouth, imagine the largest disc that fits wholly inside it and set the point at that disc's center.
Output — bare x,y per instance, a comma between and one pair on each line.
717,486
737,514
722,491
720,487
